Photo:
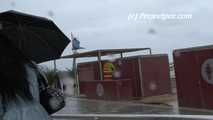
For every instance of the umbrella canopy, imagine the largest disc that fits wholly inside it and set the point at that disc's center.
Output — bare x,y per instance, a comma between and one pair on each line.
38,38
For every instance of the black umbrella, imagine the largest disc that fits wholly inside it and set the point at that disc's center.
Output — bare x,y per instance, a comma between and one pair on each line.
38,38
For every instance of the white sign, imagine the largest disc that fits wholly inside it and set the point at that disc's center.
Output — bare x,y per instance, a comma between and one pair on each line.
207,70
152,86
100,90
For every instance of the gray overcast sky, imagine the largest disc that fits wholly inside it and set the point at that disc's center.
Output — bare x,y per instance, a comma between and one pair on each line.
104,23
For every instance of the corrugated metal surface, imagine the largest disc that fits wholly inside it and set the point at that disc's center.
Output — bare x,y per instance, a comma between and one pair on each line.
155,75
129,69
88,71
108,90
192,88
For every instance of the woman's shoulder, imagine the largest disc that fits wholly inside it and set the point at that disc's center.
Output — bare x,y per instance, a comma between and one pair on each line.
26,111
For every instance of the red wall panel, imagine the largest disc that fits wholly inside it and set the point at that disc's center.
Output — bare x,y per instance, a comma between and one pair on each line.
193,90
155,75
109,90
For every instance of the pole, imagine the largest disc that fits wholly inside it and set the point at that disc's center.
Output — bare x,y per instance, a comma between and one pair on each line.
77,91
121,55
150,51
54,62
76,81
100,65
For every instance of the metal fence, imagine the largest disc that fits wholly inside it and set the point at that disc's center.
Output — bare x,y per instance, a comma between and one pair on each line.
129,117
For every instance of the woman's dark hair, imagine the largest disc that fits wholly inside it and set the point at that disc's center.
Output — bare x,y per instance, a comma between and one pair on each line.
13,75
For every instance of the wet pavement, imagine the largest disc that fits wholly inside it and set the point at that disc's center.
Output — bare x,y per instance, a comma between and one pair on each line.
78,109
85,106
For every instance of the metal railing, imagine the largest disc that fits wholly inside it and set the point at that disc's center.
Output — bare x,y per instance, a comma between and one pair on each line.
131,116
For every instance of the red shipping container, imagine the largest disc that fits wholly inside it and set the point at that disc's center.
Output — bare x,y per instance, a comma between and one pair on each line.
148,75
194,76
155,75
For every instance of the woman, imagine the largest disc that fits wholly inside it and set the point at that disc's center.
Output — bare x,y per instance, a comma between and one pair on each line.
19,90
